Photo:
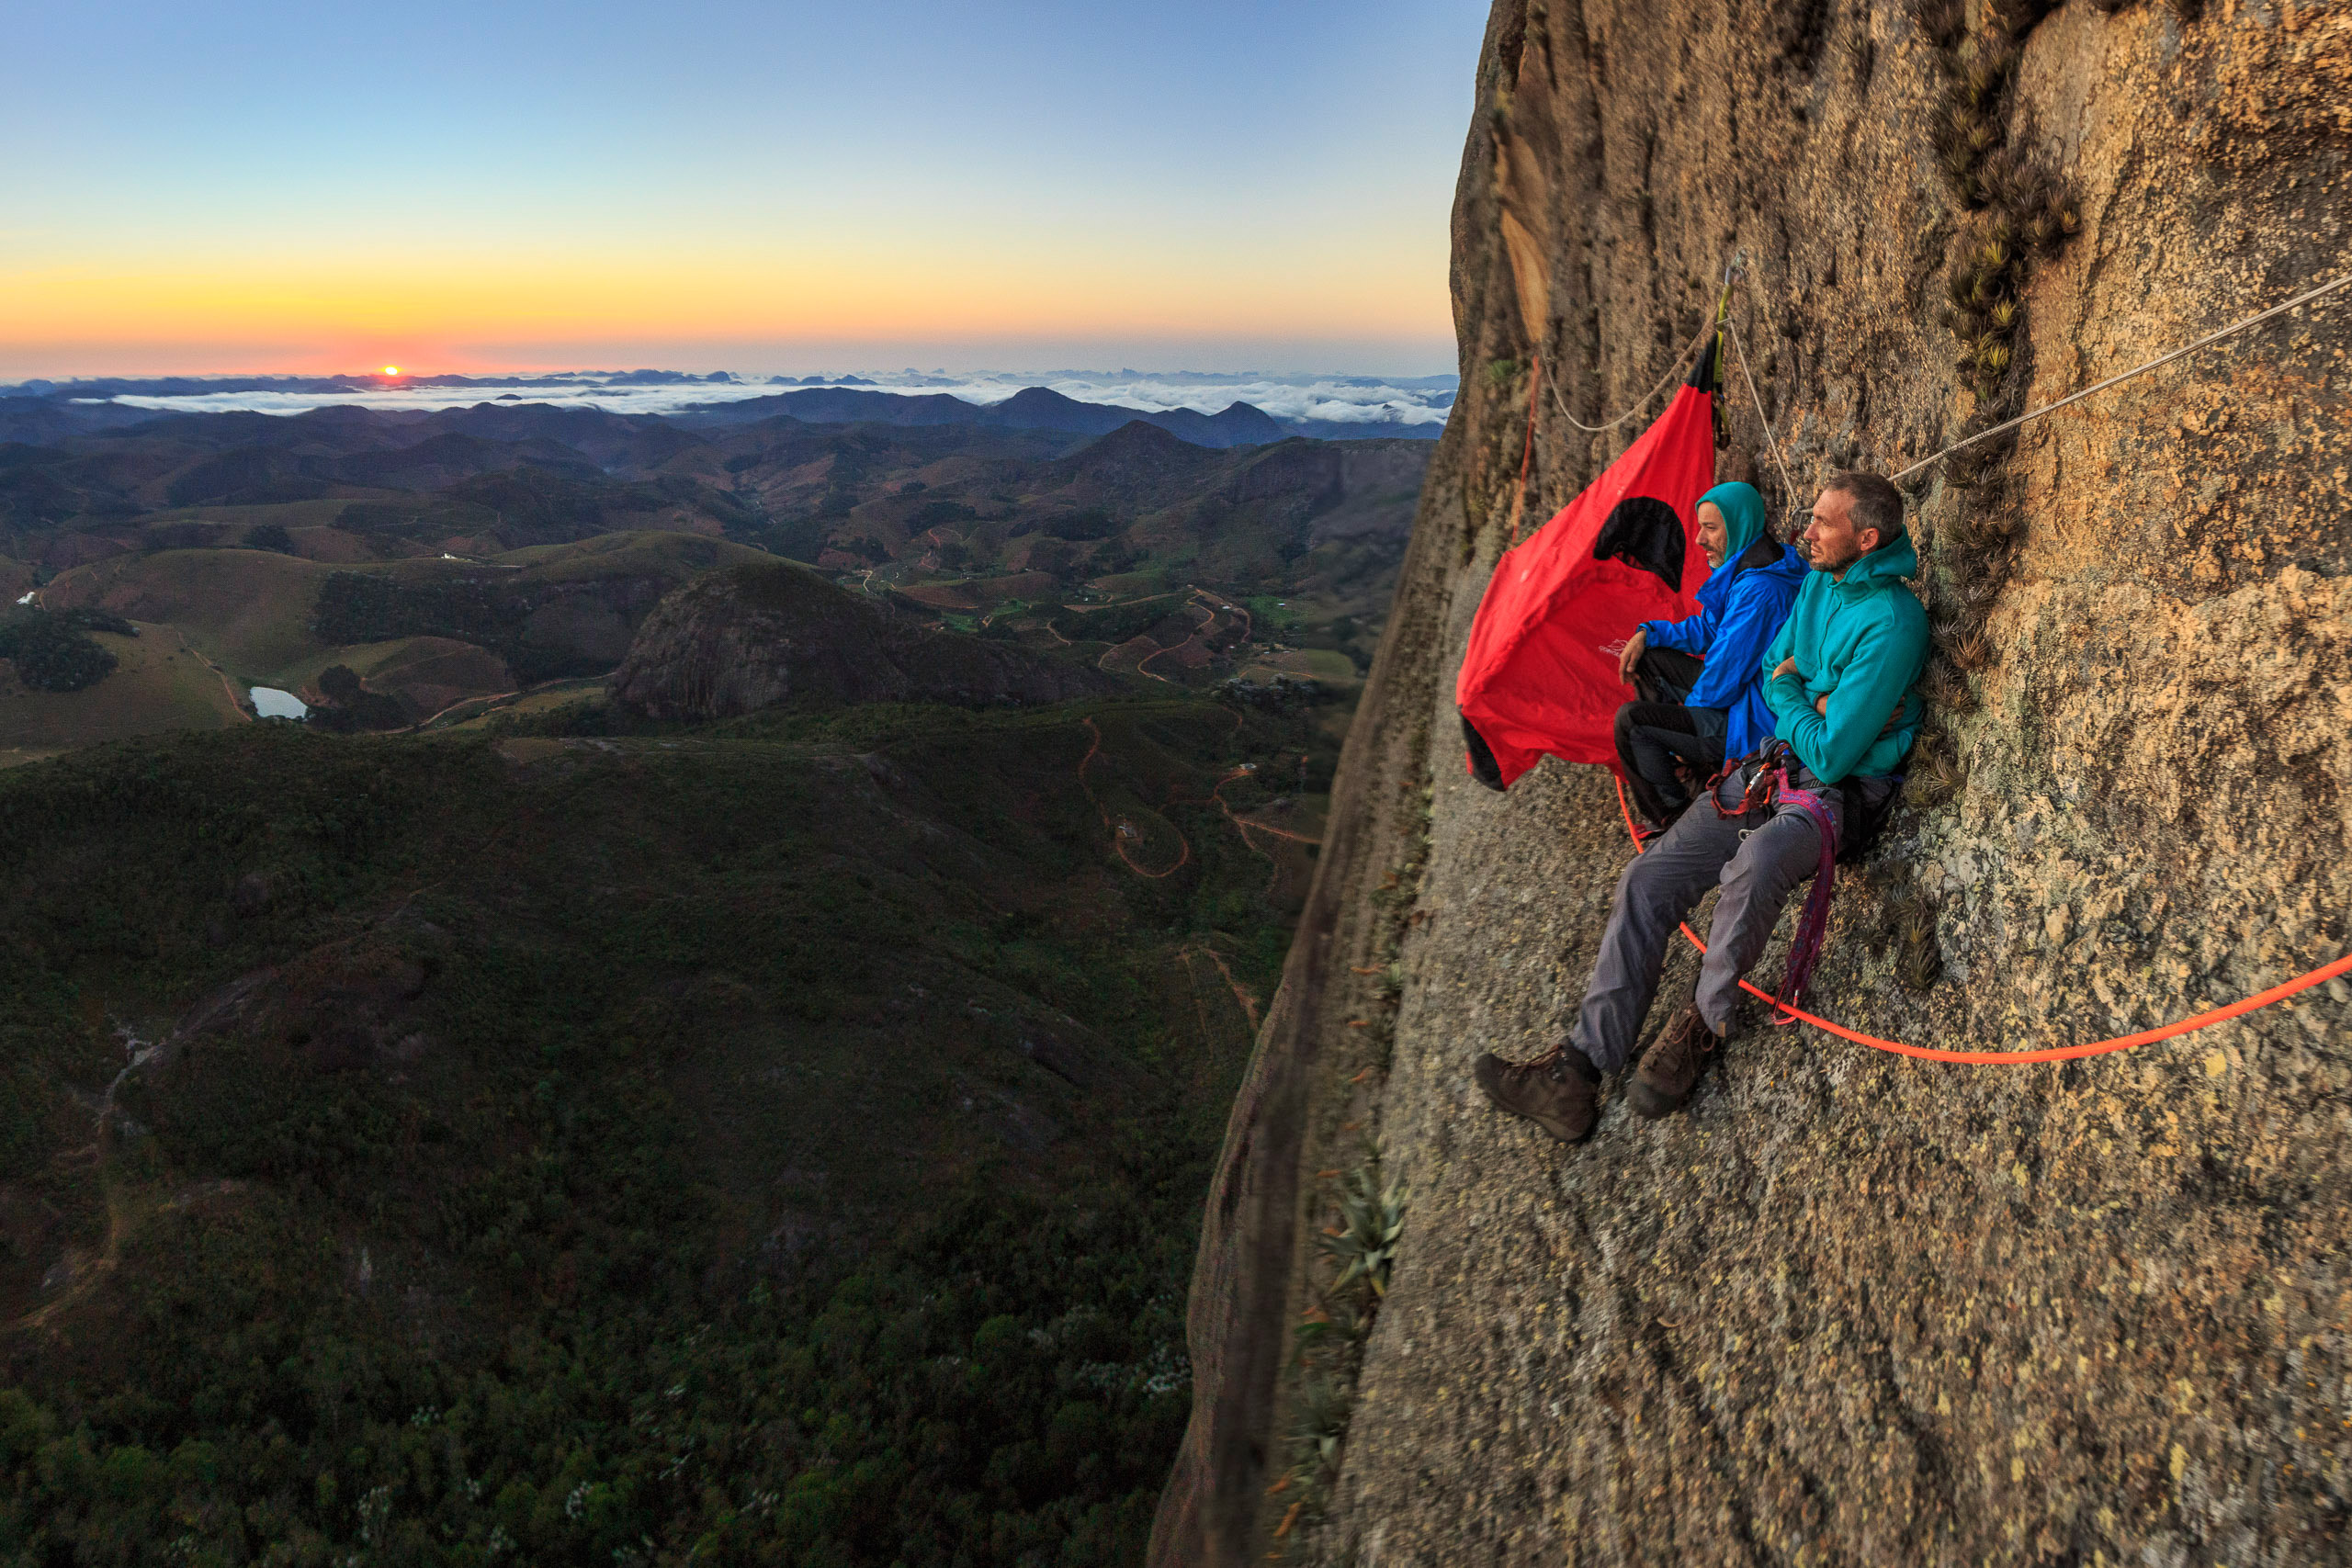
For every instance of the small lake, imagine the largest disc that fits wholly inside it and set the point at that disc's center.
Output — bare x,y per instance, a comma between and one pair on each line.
271,702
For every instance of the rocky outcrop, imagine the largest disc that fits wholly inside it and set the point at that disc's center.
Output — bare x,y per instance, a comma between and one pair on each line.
1850,1308
749,637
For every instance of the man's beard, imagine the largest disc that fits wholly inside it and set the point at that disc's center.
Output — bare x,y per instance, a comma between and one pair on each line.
1821,565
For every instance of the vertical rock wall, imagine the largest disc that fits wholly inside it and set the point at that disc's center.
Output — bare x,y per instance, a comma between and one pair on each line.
1850,1308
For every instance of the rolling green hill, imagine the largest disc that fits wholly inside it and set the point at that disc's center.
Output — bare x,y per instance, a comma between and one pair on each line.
637,553
981,526
275,619
159,683
247,610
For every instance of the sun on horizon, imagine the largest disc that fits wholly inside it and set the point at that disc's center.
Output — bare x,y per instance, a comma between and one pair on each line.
392,370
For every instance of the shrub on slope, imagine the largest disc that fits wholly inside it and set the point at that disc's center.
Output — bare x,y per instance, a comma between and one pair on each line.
51,653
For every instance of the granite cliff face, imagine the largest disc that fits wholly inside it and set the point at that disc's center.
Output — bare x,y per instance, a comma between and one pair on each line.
734,642
1852,1308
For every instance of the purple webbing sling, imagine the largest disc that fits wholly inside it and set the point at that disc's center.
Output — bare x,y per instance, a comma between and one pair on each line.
1813,926
1764,790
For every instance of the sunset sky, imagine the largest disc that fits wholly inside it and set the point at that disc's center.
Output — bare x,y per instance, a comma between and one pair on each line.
513,183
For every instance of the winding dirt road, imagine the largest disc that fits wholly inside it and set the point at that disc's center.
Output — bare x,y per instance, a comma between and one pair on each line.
1242,825
1111,828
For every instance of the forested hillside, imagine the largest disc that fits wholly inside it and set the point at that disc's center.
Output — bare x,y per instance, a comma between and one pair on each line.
778,1142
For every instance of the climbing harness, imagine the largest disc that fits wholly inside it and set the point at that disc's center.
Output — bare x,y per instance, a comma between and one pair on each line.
1767,788
1793,1013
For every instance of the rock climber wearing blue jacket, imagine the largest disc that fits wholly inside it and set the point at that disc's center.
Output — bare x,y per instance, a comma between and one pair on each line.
1698,714
1840,679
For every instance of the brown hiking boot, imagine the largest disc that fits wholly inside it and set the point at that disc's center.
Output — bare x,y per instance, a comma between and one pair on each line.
1548,1091
1671,1066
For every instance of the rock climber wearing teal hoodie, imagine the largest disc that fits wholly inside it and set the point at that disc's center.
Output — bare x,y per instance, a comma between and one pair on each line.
1699,713
1838,679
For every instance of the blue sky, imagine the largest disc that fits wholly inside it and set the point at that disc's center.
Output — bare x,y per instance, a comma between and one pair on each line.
237,188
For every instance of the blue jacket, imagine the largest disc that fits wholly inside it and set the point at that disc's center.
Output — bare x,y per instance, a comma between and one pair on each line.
1740,608
1863,643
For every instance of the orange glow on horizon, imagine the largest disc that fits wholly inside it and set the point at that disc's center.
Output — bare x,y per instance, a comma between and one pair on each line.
435,307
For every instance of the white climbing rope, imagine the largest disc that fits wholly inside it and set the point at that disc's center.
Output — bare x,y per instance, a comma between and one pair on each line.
2305,297
1738,269
1672,371
1787,485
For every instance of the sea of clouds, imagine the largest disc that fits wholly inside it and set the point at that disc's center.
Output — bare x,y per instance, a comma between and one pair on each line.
1404,400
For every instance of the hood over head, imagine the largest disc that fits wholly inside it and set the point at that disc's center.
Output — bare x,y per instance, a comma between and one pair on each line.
1884,565
1889,560
1745,519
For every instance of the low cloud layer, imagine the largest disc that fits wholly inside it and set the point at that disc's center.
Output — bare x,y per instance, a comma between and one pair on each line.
1413,400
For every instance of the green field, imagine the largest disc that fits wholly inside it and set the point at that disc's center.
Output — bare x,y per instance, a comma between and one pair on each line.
159,683
1333,669
538,701
289,514
1274,615
246,610
643,551
1130,584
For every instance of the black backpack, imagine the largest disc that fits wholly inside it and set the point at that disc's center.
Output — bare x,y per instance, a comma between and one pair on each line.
1864,822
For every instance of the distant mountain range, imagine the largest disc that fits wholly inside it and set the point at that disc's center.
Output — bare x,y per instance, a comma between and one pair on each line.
1034,408
45,411
206,386
346,534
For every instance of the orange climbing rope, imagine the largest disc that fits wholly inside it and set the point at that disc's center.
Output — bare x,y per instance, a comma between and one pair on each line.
2004,1058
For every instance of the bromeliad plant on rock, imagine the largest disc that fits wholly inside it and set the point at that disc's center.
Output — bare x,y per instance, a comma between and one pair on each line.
1363,1213
2023,210
1372,1216
1362,1245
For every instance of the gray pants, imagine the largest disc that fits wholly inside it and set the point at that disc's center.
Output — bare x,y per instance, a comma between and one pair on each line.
1759,857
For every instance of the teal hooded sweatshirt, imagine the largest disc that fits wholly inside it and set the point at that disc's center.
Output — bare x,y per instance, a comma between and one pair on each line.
1862,642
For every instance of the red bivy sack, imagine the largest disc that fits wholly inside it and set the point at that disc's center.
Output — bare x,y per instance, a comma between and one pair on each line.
1541,672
